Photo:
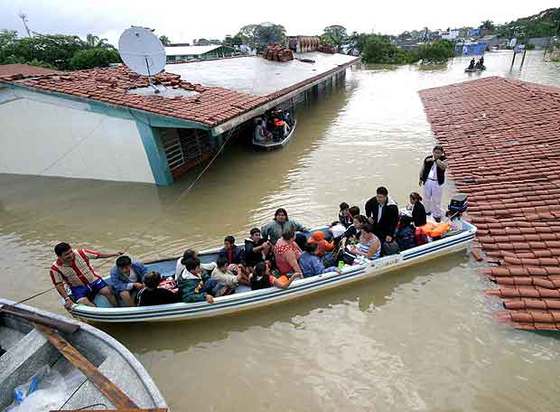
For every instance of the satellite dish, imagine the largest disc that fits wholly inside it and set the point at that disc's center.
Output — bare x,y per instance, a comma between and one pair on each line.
142,51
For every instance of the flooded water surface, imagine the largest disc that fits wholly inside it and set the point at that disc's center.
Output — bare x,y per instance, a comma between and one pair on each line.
424,338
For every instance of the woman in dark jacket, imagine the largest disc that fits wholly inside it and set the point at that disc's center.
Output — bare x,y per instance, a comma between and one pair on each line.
418,210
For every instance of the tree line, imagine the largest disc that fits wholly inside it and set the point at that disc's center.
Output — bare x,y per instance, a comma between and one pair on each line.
57,51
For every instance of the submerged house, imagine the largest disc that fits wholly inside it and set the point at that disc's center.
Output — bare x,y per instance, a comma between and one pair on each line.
110,124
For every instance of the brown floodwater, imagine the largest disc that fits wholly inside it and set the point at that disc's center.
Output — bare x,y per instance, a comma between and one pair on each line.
424,338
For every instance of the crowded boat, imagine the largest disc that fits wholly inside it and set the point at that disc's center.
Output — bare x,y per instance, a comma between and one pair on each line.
476,66
273,256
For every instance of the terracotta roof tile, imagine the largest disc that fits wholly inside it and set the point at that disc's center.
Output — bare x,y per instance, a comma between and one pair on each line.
21,71
214,105
502,138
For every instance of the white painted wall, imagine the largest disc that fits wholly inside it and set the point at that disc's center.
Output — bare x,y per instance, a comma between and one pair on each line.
51,136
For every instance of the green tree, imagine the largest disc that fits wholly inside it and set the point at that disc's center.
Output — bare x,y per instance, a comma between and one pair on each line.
438,51
165,40
335,35
268,33
488,26
96,42
54,49
95,57
247,35
379,50
8,40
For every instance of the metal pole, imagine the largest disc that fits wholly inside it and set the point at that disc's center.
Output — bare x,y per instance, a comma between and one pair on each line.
523,58
512,60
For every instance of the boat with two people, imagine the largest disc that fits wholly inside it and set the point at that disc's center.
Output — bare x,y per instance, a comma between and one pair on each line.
476,67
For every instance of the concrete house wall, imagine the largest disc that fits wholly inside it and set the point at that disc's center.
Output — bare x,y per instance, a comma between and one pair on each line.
51,136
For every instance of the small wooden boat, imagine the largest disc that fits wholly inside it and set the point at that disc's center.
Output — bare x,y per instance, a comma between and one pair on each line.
275,144
246,300
95,368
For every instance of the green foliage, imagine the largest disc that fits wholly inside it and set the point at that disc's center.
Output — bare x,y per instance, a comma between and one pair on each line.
96,57
543,24
164,40
261,35
334,35
379,50
438,51
488,26
56,50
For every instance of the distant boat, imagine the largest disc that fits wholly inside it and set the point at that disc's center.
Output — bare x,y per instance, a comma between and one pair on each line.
275,144
244,300
97,370
475,69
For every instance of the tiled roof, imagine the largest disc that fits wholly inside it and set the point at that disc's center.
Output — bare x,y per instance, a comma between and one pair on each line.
502,138
21,71
212,106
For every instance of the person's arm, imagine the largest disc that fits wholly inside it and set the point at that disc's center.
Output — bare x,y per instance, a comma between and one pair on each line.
62,292
286,284
442,163
299,227
292,261
94,254
421,178
375,246
118,284
369,211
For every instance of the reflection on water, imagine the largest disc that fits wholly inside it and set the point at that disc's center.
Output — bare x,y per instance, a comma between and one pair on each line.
419,339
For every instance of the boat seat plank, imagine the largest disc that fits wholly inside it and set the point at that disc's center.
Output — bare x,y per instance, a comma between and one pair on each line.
21,361
117,397
112,367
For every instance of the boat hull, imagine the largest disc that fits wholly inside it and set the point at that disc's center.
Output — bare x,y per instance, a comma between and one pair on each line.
276,145
241,302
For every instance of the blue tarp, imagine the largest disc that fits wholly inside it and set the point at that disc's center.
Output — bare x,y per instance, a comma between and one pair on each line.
471,49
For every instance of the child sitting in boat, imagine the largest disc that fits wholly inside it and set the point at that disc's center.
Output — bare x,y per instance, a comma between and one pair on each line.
405,236
344,215
232,252
189,254
226,280
262,135
152,294
194,286
311,264
262,278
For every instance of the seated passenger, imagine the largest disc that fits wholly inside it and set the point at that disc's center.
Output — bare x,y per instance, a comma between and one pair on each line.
226,281
232,252
256,248
126,279
287,253
418,209
191,283
344,215
471,64
405,233
323,245
73,268
262,135
311,264
152,295
368,243
262,278
281,223
352,231
190,254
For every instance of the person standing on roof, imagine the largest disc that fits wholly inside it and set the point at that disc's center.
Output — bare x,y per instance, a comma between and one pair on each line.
432,176
281,224
73,268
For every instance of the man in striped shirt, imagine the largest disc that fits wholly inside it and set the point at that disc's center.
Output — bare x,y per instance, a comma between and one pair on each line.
73,268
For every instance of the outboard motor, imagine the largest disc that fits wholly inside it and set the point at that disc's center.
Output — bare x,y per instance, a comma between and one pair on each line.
458,205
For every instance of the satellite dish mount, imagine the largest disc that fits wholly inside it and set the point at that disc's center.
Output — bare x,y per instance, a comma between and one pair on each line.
142,52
